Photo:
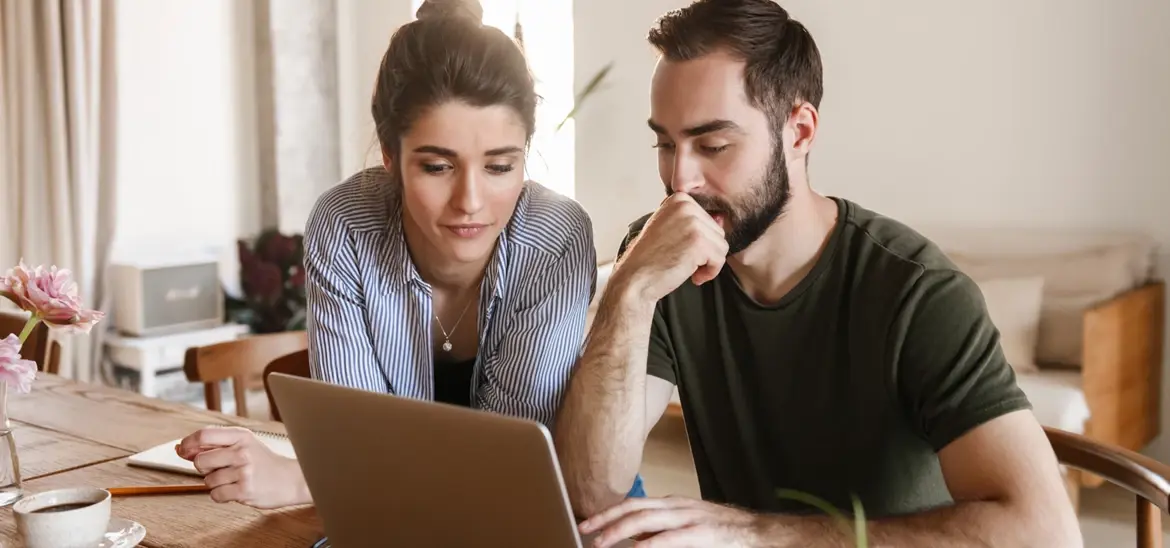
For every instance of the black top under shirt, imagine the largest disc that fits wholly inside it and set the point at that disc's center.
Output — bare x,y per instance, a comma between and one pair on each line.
453,382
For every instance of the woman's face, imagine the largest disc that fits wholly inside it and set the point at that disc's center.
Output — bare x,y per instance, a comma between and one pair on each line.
462,172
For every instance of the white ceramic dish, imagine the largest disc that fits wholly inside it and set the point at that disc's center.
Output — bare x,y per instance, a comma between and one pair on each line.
123,533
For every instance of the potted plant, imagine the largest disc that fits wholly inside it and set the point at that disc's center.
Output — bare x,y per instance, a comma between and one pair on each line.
272,279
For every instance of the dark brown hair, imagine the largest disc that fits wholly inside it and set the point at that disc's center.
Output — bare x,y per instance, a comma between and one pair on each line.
782,63
448,54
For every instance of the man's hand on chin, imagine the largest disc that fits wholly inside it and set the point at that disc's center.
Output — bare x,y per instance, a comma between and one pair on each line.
673,522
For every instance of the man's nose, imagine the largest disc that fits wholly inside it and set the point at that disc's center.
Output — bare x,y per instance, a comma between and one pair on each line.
686,175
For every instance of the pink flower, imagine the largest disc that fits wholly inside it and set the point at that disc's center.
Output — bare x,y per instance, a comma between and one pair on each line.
51,295
14,371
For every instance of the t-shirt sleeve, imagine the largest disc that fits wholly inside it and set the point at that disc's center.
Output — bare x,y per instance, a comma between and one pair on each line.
950,370
659,358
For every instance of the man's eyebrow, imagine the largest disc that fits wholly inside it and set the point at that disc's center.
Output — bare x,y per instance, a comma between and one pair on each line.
448,153
701,129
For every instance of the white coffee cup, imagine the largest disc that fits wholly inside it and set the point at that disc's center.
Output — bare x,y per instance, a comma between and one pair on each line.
63,518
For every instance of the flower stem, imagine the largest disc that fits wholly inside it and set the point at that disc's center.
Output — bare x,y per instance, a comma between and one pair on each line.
28,327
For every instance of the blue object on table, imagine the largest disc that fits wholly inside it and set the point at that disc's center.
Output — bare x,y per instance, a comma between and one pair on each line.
637,491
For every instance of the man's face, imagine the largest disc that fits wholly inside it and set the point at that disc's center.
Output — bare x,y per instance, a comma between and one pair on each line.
715,146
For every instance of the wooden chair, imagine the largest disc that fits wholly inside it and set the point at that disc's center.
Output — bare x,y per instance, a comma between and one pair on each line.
37,347
243,361
1146,478
296,364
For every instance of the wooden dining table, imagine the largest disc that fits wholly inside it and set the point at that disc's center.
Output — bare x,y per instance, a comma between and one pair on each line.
71,434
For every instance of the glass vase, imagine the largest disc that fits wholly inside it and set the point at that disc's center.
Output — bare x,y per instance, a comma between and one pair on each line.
11,488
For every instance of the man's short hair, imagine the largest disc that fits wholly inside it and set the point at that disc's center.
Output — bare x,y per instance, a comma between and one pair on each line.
782,62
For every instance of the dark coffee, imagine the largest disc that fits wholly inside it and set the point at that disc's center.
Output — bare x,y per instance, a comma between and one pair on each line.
62,507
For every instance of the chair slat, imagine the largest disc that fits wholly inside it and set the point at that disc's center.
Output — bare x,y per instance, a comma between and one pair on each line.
1147,479
243,361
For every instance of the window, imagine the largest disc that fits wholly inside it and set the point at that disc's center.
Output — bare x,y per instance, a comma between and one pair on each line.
548,42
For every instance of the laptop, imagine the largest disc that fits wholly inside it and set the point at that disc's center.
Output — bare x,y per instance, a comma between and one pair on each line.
391,471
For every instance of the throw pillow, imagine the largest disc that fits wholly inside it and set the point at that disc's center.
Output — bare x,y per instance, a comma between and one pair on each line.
1014,306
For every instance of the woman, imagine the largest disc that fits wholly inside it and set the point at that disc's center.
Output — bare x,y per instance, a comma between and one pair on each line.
442,274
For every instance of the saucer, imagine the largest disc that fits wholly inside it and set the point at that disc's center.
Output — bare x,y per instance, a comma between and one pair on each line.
122,533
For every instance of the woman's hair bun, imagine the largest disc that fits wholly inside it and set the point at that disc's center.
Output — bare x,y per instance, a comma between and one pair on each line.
470,10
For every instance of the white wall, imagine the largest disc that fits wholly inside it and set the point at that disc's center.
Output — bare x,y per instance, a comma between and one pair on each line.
922,107
364,28
617,171
998,113
186,166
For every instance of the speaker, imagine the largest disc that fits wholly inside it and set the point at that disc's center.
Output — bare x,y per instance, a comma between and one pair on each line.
161,298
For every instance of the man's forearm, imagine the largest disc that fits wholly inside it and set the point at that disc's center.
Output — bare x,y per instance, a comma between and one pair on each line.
967,524
602,423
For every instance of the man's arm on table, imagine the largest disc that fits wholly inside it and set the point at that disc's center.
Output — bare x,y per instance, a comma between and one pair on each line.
1007,492
611,403
961,395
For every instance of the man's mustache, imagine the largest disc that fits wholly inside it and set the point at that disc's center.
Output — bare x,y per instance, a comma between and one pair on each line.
711,204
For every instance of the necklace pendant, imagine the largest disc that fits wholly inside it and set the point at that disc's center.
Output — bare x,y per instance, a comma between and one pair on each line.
447,346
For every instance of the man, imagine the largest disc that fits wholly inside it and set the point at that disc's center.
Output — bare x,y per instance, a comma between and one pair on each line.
817,346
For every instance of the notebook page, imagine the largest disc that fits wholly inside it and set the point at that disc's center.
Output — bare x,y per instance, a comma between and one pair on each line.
163,456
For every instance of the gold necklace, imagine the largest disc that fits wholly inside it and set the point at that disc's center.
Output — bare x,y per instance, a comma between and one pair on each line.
447,336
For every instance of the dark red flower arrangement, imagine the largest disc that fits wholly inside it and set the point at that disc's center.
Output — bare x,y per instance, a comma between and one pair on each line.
272,278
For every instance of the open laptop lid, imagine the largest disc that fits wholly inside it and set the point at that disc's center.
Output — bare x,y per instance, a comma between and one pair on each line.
386,470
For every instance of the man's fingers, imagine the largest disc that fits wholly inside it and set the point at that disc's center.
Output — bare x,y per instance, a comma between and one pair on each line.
707,272
641,522
716,256
605,517
685,537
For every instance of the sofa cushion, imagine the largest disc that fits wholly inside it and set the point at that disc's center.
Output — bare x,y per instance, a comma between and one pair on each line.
1014,307
1099,271
1057,398
1080,269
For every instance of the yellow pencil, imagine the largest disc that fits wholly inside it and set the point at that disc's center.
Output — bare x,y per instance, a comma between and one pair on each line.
157,489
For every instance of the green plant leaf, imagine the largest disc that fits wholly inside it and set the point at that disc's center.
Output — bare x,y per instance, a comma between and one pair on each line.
860,524
857,527
586,92
818,503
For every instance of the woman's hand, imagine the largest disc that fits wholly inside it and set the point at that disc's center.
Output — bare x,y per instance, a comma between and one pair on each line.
240,468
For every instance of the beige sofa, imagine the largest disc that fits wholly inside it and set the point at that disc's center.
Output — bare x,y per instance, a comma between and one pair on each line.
1081,321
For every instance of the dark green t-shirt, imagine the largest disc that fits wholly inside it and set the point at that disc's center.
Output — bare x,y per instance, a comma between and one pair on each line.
880,357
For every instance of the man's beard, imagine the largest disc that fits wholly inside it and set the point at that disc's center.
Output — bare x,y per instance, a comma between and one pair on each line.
747,220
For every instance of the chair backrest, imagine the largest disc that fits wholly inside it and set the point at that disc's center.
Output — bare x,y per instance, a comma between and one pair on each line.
242,360
37,347
296,364
1146,478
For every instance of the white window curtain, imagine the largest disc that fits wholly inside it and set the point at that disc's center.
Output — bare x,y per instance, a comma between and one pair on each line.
56,138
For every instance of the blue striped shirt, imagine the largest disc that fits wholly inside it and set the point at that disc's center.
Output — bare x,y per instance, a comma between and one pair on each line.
370,312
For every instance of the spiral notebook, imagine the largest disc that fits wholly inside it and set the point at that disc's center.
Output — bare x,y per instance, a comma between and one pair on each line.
164,457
